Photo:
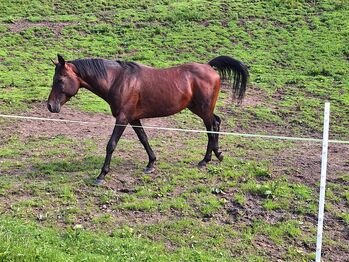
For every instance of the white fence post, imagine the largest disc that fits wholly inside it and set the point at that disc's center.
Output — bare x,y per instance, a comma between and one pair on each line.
323,181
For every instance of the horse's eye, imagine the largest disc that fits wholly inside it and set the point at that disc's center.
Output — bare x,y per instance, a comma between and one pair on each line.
59,83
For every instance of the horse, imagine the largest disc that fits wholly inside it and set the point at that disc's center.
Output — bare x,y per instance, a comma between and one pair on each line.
135,91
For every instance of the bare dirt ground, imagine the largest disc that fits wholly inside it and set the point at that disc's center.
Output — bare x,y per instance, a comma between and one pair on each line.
56,27
98,126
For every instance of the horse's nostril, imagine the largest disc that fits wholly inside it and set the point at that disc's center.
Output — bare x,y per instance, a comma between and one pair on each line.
49,107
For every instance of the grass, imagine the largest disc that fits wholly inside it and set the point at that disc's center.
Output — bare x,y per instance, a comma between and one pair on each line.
27,241
251,207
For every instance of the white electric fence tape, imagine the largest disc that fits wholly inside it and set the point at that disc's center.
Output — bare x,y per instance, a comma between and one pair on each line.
305,139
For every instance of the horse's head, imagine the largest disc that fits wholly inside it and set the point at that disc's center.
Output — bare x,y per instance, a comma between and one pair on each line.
65,85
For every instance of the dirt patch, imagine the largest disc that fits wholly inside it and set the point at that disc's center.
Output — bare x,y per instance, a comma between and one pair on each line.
21,25
98,125
253,97
247,122
271,250
301,162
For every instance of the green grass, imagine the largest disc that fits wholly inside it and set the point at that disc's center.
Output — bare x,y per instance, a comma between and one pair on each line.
243,209
30,242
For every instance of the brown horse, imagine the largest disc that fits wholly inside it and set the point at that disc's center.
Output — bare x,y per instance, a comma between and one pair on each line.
135,91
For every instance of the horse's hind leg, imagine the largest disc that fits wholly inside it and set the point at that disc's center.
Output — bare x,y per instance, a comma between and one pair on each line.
216,127
203,104
210,144
137,127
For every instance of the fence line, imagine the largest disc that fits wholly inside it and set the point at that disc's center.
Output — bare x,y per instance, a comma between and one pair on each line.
289,138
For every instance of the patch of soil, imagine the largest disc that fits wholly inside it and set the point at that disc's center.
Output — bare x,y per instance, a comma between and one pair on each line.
301,162
98,126
253,97
21,25
271,250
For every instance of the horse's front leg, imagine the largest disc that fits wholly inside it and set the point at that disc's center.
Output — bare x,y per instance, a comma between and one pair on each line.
114,139
137,127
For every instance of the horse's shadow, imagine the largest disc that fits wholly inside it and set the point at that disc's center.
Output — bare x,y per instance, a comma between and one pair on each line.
70,165
86,168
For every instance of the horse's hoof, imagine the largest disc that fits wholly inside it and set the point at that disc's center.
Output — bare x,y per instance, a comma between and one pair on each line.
149,170
202,164
220,156
98,182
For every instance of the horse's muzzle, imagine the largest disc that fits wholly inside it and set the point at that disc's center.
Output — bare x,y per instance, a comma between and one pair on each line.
53,107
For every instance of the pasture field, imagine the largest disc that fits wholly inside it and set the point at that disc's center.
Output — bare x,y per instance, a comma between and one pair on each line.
258,204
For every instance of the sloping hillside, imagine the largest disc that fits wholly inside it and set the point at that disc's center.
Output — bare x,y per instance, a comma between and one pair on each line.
259,204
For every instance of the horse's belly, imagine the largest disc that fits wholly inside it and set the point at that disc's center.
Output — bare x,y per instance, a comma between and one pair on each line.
163,106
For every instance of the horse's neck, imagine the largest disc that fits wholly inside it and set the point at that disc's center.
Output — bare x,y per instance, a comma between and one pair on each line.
100,87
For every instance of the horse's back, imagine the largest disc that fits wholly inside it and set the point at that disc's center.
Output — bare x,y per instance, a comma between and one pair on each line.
186,78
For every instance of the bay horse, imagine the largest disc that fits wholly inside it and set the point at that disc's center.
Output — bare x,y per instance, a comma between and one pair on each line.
135,91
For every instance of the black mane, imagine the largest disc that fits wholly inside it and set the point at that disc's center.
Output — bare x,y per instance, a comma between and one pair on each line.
89,68
132,67
95,68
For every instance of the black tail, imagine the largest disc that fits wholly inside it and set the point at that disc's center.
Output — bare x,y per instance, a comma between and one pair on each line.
234,71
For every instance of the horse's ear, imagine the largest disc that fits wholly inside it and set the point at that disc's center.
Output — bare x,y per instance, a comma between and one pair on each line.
60,59
53,62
